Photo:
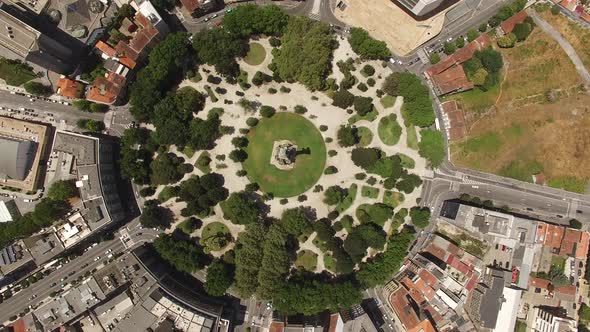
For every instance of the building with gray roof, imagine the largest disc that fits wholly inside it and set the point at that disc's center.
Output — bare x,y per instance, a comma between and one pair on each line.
17,158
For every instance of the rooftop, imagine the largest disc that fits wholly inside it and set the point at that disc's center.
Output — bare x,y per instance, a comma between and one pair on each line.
509,24
17,36
105,90
69,88
83,148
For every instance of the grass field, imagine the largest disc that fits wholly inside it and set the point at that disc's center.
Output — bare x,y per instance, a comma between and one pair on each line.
412,137
516,130
370,192
215,236
366,136
166,194
15,73
387,101
392,198
520,326
329,262
389,129
558,262
309,163
307,259
255,55
575,34
348,200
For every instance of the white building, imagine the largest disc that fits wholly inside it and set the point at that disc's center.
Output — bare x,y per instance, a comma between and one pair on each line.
546,321
420,7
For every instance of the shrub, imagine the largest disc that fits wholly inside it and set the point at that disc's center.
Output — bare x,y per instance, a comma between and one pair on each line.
555,9
331,170
368,70
362,86
363,105
434,58
483,27
302,198
323,127
472,35
371,82
284,89
272,91
460,42
332,153
343,99
284,201
371,181
449,48
267,111
360,176
252,122
274,42
507,41
213,79
251,187
522,31
300,109
241,173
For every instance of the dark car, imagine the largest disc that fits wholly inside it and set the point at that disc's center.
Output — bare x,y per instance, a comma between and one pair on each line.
52,284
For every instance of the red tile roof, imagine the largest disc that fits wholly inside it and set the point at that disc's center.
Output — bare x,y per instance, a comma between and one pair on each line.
539,283
509,24
414,292
452,80
461,55
333,322
144,36
426,290
455,262
276,327
428,278
69,88
457,128
190,5
471,284
550,235
436,251
106,89
424,326
19,326
403,309
570,239
566,290
123,50
582,247
105,48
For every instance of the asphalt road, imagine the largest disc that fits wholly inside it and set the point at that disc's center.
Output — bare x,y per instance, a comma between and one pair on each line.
18,302
62,112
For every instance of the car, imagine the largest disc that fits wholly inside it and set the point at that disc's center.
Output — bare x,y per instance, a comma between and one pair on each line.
392,60
53,284
108,251
206,19
581,265
218,24
579,273
63,285
228,10
214,16
84,265
559,216
579,211
32,297
96,258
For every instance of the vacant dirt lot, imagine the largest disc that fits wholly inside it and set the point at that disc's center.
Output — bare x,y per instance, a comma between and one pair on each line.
537,120
386,21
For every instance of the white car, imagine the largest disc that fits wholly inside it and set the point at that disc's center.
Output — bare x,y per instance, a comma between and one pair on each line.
391,60
97,258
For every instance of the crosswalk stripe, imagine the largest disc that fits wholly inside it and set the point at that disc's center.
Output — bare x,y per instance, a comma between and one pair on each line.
314,17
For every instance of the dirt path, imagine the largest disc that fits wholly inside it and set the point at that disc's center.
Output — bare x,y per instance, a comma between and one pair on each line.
565,45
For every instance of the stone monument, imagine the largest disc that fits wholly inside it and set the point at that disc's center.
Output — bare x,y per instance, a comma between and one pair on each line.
283,154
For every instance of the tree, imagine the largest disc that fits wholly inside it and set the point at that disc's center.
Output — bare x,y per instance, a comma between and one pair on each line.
507,41
186,256
584,313
449,48
420,216
204,133
367,47
218,48
380,269
99,108
363,105
163,69
240,141
219,278
334,195
90,125
460,42
62,190
472,35
348,136
82,105
154,216
555,9
189,100
434,58
391,84
248,259
165,169
482,27
522,31
252,20
491,59
432,147
368,70
37,88
343,99
275,262
355,246
240,209
238,155
479,77
267,111
295,221
365,157
306,53
575,223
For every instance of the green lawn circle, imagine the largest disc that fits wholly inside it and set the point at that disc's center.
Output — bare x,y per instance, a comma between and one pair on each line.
255,55
308,167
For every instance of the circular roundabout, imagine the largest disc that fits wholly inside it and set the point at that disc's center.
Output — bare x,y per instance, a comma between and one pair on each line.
286,155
